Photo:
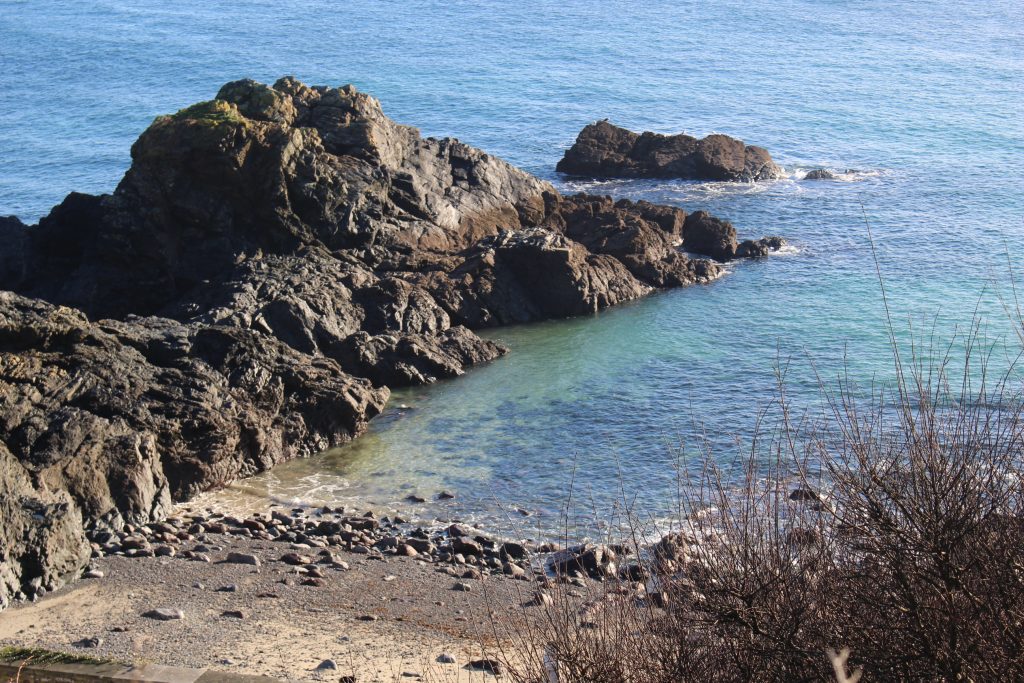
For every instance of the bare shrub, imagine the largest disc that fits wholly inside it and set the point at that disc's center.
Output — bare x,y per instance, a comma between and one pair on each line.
891,528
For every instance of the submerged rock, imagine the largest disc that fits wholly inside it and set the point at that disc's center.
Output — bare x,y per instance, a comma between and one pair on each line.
820,174
271,263
759,248
604,150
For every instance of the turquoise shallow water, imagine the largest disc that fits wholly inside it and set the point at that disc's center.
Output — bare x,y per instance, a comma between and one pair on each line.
924,100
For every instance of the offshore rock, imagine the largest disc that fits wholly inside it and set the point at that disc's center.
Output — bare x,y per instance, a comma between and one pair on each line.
604,150
759,248
273,260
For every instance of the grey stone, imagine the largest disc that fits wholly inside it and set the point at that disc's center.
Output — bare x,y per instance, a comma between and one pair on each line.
93,642
164,614
243,558
491,666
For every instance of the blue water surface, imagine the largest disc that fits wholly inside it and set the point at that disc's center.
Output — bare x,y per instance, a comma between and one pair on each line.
922,100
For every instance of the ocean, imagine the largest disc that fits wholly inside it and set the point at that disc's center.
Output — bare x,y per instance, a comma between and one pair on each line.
923,104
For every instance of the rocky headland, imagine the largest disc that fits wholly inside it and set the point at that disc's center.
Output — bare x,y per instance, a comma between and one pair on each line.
273,260
604,150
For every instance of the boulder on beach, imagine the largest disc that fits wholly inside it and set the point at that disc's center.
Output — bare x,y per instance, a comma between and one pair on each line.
604,150
273,261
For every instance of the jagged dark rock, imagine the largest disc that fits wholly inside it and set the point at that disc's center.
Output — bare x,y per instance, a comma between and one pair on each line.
820,174
272,261
759,248
604,150
705,234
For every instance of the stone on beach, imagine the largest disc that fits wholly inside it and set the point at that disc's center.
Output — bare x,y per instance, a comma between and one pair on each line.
243,558
164,614
491,666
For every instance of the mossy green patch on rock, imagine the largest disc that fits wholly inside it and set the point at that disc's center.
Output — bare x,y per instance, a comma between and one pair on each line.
258,101
214,112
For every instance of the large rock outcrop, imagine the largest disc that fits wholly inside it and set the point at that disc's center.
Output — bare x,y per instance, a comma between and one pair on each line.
604,150
272,261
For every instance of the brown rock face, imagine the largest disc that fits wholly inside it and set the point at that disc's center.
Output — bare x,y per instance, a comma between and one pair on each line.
272,261
604,150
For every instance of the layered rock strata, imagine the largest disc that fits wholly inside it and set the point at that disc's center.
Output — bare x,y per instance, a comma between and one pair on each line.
271,263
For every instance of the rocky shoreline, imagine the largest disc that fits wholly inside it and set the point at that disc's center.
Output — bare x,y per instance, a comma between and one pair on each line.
271,263
368,593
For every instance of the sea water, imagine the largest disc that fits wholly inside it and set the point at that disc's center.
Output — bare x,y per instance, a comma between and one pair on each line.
921,101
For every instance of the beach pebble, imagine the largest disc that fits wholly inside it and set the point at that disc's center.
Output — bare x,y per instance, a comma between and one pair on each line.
459,531
491,666
541,600
463,587
445,658
93,574
514,570
243,558
295,559
515,551
164,614
95,641
421,545
230,588
233,614
327,665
